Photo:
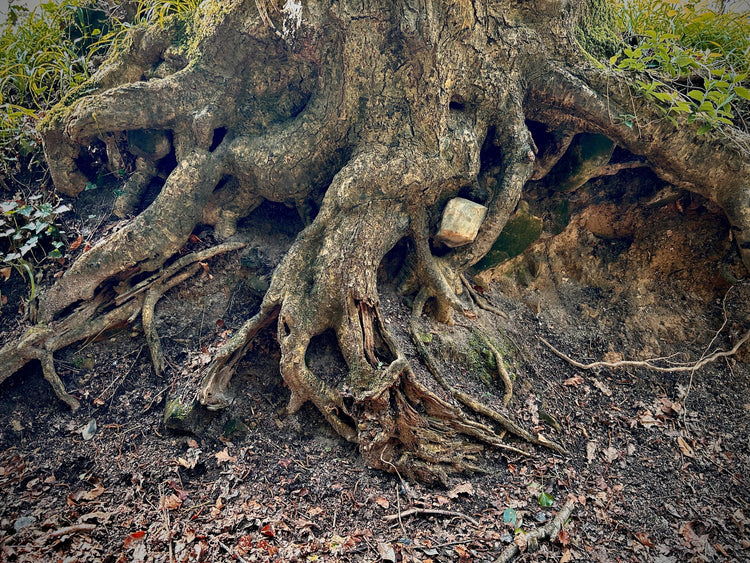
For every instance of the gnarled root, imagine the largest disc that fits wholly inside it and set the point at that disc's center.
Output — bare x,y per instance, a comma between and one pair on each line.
94,316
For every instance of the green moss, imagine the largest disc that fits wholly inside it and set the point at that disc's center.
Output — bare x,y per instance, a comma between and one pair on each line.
519,233
587,154
597,30
560,217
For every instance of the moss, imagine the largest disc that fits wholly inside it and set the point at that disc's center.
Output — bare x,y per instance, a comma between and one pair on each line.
596,31
587,153
185,417
519,233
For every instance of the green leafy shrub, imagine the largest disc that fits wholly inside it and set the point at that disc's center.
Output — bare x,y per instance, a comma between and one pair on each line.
49,51
29,233
690,59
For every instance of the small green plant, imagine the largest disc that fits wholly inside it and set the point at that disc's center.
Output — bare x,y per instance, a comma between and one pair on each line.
689,59
29,234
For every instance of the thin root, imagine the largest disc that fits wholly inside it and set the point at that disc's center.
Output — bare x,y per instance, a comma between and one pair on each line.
481,432
647,364
480,301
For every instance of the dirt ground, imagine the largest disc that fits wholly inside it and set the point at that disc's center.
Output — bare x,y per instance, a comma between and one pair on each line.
659,463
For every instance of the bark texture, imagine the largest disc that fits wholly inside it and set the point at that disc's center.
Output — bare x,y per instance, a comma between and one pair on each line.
368,117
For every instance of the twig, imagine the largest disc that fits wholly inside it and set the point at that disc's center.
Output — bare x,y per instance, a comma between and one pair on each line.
75,528
647,363
432,512
231,552
533,537
398,495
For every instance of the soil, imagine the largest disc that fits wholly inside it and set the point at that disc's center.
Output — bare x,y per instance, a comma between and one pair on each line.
659,463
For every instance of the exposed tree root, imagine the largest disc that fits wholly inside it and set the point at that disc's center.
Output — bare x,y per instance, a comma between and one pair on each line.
530,541
480,301
374,120
93,317
432,512
464,398
649,364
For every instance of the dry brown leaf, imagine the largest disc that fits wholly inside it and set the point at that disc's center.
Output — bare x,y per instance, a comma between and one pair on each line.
520,541
76,243
441,500
223,456
590,451
685,448
644,539
572,381
82,495
170,502
463,488
382,502
602,387
566,557
192,443
647,420
610,454
5,272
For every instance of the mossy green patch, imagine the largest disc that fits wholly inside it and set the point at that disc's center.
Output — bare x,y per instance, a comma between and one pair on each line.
587,154
522,229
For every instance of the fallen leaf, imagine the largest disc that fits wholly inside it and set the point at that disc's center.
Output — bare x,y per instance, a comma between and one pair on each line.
602,387
520,541
644,539
133,538
386,552
463,488
647,420
89,430
441,500
76,243
685,448
170,502
223,456
82,495
566,556
267,531
382,502
590,451
5,272
610,454
563,538
572,381
192,443
194,239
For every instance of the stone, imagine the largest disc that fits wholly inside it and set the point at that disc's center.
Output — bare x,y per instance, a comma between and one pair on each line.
461,221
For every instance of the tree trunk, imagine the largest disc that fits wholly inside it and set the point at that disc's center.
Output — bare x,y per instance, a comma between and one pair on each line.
368,117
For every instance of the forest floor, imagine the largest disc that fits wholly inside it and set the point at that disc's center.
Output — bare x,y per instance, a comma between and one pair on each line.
659,463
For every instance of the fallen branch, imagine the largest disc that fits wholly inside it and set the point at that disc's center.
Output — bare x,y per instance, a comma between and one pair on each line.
648,363
531,540
432,512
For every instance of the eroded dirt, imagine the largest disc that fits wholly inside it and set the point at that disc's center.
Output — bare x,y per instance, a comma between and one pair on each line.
659,462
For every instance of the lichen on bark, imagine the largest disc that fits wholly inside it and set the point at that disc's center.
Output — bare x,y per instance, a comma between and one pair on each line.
367,118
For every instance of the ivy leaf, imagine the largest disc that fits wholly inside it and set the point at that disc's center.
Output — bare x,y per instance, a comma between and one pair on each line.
546,500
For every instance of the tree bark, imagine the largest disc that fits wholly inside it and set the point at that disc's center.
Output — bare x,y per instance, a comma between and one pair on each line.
368,117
